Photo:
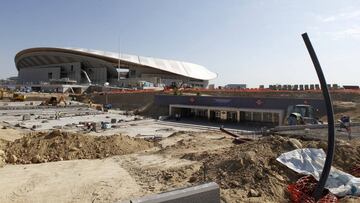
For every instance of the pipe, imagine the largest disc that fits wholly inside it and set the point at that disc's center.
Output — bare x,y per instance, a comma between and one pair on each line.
87,76
330,117
228,132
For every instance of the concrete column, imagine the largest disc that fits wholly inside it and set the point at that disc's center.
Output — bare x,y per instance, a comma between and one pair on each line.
262,116
238,116
208,114
252,116
170,110
281,118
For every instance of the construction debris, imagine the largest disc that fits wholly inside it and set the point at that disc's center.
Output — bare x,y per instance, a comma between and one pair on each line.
310,161
250,172
177,154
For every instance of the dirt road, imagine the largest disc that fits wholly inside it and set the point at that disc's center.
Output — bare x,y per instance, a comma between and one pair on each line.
67,181
111,179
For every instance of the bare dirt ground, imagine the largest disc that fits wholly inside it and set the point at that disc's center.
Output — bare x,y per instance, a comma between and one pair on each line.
106,180
246,172
97,168
67,181
9,134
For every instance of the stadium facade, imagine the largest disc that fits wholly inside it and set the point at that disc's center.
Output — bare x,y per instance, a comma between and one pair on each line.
83,66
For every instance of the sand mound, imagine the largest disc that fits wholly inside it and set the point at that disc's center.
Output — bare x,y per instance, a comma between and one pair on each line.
346,153
57,146
250,171
2,153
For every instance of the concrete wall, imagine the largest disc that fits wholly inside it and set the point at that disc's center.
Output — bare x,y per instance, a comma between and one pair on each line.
38,74
125,101
97,75
73,71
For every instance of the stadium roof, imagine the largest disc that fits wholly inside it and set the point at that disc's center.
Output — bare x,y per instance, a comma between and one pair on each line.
177,67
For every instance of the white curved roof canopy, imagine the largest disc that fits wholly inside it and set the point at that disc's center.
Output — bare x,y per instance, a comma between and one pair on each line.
177,67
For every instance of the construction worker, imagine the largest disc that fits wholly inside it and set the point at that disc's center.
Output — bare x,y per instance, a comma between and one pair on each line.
345,124
177,116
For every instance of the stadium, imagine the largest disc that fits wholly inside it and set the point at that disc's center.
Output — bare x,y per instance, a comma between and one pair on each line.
83,66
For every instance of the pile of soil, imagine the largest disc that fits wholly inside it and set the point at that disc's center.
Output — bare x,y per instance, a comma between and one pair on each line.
2,153
249,172
3,144
2,158
57,146
350,108
346,153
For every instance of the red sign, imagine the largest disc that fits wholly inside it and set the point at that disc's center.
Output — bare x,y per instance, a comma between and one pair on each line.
259,102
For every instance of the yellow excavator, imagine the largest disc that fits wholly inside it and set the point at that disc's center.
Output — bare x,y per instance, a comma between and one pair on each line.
14,95
98,107
18,97
2,94
54,101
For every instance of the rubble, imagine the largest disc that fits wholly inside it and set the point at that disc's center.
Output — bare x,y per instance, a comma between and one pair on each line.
254,193
26,117
250,172
295,143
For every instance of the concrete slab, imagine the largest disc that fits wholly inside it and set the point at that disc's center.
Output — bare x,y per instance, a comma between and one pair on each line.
208,192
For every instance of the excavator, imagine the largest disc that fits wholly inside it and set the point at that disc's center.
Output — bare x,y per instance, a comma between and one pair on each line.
14,95
302,114
54,101
18,97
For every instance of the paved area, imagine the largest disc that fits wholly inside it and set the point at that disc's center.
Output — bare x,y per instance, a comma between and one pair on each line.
72,119
323,133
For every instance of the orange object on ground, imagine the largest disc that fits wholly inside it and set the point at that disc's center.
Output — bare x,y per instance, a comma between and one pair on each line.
302,190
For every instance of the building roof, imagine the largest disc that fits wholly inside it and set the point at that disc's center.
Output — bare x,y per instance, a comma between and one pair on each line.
186,69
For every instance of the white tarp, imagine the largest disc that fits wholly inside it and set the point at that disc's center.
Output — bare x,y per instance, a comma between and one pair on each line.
310,161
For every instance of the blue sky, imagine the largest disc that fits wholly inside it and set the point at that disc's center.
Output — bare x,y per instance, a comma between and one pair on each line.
252,42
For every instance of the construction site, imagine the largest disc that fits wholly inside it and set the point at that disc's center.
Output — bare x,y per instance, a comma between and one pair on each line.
179,101
58,147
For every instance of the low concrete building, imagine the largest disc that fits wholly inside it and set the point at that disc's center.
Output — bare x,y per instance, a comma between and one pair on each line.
270,111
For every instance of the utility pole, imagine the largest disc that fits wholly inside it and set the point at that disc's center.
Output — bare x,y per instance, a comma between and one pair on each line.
118,71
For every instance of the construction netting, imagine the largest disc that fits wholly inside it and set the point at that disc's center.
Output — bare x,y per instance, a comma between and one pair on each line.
302,191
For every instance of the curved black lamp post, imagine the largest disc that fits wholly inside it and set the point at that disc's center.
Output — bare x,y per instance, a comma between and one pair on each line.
330,117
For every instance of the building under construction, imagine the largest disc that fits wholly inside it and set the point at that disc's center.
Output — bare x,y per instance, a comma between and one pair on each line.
84,66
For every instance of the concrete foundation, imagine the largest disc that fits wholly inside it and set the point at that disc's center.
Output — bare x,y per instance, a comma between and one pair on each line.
209,192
